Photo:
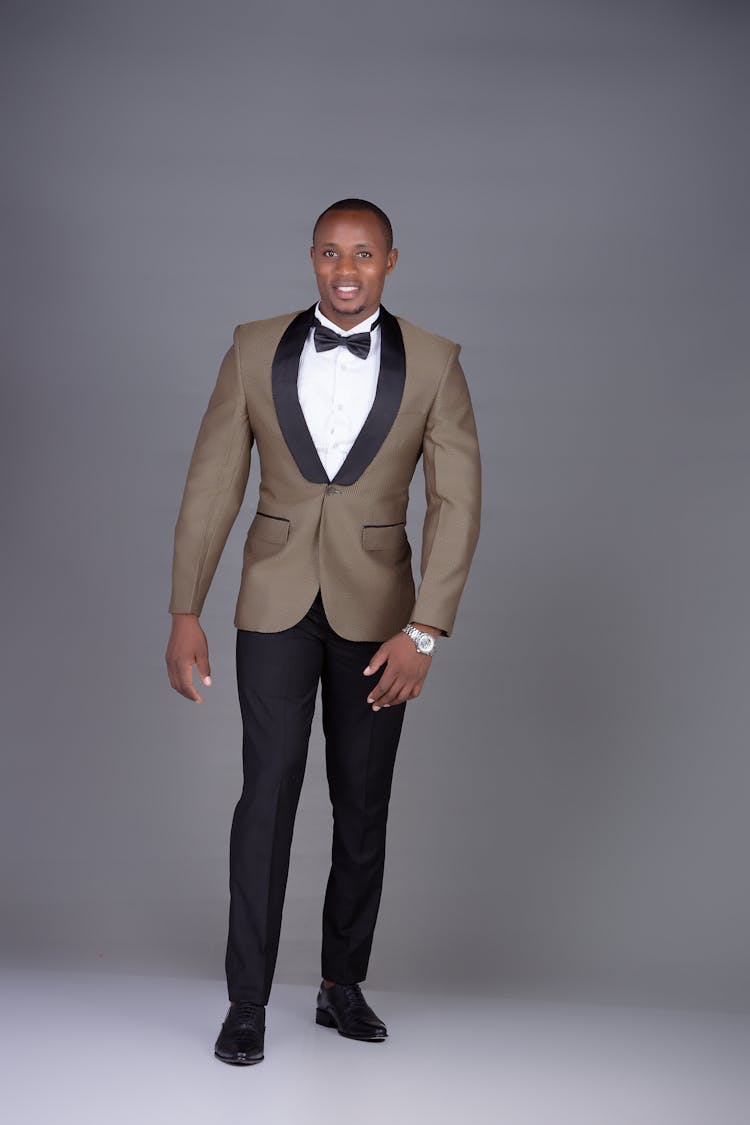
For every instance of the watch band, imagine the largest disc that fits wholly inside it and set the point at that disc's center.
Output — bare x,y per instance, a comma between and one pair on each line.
423,641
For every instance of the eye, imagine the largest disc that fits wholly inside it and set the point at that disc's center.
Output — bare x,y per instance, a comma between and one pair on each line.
365,254
329,253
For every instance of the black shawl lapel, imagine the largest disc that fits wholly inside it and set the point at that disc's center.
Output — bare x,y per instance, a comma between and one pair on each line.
288,410
391,379
387,401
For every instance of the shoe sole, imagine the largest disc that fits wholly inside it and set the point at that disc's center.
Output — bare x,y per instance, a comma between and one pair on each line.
239,1062
324,1019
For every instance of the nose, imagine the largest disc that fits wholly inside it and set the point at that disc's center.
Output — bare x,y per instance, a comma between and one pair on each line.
347,268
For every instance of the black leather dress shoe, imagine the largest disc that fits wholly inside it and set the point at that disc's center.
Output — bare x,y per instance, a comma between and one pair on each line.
240,1041
344,1007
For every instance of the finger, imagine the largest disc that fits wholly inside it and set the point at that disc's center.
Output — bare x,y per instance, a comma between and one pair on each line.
180,673
185,684
375,700
190,693
391,696
204,669
376,661
409,689
404,695
381,687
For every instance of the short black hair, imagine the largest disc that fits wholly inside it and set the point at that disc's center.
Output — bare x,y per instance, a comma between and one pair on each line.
360,205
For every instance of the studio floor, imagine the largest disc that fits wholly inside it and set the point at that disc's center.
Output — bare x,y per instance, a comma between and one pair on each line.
123,1050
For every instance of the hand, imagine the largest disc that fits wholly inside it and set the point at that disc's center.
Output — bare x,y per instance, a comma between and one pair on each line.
187,646
404,676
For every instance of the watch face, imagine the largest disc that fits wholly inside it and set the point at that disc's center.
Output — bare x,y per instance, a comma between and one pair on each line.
426,644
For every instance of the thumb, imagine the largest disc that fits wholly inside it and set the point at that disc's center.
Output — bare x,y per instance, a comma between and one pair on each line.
379,658
204,669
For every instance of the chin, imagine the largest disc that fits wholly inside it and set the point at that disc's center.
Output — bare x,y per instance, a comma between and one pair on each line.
347,310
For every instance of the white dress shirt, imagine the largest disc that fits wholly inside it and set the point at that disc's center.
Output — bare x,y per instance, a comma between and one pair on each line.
336,391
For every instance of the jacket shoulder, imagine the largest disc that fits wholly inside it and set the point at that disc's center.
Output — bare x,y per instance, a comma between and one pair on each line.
269,328
428,343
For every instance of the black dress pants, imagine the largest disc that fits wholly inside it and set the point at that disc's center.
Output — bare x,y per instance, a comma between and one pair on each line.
277,679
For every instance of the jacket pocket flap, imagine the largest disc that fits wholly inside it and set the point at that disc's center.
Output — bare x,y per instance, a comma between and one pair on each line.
379,537
273,528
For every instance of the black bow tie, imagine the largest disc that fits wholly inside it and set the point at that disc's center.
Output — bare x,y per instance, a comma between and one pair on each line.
326,339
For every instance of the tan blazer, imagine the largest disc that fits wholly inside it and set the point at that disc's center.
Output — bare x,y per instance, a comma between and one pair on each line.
346,535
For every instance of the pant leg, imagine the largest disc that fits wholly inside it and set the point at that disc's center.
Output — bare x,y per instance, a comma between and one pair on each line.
361,749
277,680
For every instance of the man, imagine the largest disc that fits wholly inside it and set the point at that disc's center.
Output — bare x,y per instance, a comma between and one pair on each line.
341,401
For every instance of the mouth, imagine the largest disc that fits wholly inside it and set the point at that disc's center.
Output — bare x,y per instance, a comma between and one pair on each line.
346,292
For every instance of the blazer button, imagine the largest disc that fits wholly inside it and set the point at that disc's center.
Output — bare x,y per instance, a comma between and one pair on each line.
330,489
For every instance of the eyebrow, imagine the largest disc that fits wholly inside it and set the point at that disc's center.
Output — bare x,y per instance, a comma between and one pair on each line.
358,245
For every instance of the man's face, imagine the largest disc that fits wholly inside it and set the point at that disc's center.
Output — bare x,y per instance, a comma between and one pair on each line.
351,260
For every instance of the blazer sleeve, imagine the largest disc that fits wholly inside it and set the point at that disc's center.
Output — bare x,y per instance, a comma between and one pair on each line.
214,489
452,475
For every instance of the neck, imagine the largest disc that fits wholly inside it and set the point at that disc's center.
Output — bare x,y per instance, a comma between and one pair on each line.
347,320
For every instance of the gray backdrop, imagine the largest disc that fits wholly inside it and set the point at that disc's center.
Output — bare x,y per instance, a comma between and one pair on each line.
568,185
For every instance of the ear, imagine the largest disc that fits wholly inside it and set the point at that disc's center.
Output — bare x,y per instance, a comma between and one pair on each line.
391,260
312,253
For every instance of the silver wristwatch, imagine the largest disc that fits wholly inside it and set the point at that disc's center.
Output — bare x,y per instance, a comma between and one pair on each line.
425,642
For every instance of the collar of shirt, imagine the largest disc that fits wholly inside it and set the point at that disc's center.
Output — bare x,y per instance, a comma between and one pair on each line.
363,326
